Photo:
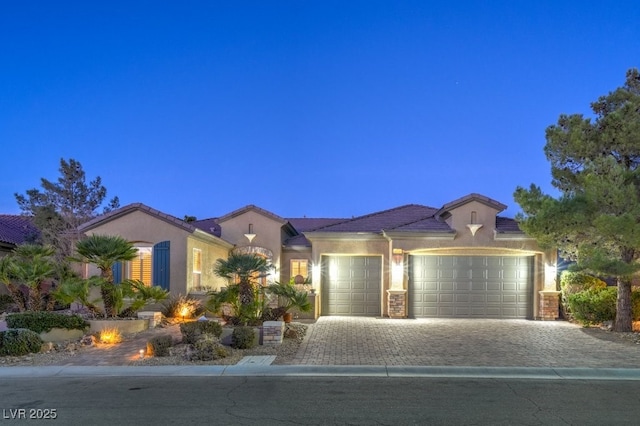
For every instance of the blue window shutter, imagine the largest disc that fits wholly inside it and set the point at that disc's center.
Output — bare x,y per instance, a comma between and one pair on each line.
116,269
161,265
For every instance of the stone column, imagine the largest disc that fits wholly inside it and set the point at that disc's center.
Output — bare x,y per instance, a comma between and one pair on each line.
397,303
272,332
549,309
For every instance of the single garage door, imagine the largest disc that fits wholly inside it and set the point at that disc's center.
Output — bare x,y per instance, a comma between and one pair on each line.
471,286
351,285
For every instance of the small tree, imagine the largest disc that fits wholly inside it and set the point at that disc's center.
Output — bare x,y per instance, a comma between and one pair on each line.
28,273
247,269
104,251
244,291
61,207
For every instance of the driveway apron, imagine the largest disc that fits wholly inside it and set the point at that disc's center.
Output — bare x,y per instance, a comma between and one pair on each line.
460,342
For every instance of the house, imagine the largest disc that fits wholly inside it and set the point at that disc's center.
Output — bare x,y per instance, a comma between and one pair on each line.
458,260
14,230
173,254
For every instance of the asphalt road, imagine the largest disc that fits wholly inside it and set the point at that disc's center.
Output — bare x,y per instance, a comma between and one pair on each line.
316,401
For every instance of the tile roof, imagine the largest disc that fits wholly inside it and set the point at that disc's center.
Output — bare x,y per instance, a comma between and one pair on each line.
304,224
471,197
16,229
132,207
208,225
404,216
506,224
254,208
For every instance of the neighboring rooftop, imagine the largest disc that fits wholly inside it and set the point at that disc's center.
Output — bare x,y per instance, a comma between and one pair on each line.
16,229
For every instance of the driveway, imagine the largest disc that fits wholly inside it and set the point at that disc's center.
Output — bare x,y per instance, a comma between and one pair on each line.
463,342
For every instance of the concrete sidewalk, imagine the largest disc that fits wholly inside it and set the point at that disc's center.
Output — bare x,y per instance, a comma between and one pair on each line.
610,374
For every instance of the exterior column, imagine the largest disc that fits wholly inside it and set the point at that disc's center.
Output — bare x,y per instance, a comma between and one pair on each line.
397,303
549,309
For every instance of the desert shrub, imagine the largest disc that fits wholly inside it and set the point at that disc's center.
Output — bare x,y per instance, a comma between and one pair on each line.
182,307
42,321
159,345
207,348
19,341
593,306
243,338
575,282
6,303
191,331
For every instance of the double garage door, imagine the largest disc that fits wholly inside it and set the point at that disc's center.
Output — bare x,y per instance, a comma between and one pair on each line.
351,285
470,286
439,286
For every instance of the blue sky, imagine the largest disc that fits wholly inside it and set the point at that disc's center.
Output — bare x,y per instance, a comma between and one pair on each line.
316,108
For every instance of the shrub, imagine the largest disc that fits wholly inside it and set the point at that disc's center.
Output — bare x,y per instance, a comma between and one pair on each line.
207,348
159,345
243,338
593,306
182,307
6,303
19,341
191,331
44,321
575,282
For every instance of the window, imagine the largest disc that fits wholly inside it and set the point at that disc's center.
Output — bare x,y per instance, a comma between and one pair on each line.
197,268
140,267
299,267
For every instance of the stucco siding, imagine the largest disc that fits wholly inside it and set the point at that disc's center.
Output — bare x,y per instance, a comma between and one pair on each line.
140,227
210,254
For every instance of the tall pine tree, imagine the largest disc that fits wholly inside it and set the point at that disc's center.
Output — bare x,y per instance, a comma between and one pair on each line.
595,165
62,206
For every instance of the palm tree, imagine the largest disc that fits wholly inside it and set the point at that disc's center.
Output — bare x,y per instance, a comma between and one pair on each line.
246,269
29,266
104,251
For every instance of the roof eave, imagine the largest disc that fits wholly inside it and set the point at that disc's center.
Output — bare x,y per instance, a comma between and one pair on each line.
511,235
311,236
421,235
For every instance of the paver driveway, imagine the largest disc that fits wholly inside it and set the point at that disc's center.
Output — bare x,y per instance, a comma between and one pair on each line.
460,342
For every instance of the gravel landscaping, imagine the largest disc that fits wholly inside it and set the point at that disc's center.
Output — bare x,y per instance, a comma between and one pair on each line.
69,353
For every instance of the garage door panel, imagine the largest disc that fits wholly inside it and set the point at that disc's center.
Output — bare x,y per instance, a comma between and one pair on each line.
471,286
446,297
479,286
494,286
462,286
478,299
461,297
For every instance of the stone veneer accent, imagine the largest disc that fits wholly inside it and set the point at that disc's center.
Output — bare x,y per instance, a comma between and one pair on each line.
272,332
397,303
549,305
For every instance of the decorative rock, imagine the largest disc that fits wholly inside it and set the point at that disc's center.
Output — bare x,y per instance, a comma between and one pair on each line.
290,333
47,347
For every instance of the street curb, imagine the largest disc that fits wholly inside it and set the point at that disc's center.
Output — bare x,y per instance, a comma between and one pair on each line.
532,373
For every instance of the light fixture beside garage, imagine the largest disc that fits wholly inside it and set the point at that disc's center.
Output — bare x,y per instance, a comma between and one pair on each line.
397,256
